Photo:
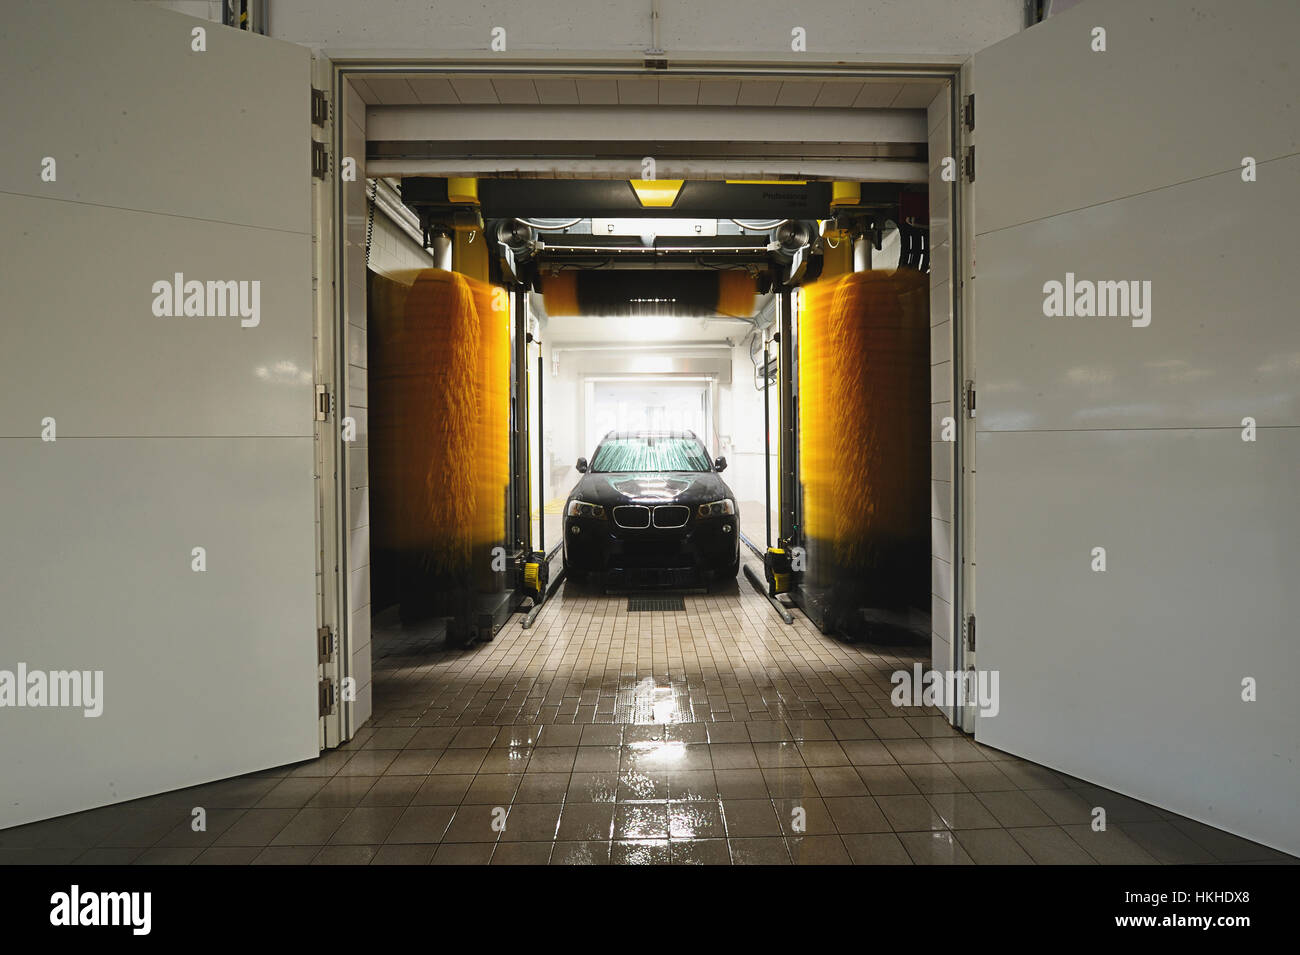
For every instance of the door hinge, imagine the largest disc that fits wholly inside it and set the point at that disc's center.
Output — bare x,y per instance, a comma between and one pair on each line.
320,160
968,164
324,403
970,633
968,399
320,107
968,111
326,697
324,644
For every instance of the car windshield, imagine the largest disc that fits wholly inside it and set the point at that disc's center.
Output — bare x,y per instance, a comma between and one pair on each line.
650,453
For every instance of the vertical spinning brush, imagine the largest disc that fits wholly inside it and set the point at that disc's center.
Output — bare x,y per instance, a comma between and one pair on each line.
864,447
439,395
492,439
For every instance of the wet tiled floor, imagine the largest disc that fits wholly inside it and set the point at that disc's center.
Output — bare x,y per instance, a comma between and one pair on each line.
717,736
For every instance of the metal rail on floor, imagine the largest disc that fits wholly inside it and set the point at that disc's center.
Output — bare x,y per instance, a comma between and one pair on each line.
761,586
744,539
537,607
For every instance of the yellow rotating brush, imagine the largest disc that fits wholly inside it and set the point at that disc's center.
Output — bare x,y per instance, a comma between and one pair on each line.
492,440
439,425
864,436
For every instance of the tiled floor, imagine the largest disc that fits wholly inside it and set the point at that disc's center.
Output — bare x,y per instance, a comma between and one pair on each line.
715,736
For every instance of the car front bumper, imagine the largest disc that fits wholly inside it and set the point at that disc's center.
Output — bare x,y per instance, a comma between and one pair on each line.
705,549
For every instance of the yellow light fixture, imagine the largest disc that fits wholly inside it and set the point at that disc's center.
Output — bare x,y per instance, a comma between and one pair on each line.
657,193
846,194
462,190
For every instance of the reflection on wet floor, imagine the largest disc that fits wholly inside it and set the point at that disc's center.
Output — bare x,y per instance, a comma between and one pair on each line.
773,745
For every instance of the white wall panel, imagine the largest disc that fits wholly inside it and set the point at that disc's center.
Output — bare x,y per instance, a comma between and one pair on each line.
1132,678
1220,256
393,250
943,624
941,382
206,9
941,580
206,675
941,501
82,342
149,124
1098,133
871,31
941,336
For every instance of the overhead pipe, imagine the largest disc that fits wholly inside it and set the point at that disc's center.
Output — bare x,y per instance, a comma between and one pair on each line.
441,248
861,254
560,227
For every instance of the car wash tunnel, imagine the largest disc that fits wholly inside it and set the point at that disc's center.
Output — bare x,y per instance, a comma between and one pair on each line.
649,432
649,389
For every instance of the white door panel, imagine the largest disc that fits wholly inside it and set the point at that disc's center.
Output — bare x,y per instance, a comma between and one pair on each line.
1132,678
168,437
95,357
206,675
1220,255
1180,93
137,120
1123,166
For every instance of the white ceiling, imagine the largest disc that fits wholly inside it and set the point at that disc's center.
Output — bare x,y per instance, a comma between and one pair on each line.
397,89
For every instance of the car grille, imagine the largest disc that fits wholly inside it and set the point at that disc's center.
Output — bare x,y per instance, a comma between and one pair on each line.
632,515
671,515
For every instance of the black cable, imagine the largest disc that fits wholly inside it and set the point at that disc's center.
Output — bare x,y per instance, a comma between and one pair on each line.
370,218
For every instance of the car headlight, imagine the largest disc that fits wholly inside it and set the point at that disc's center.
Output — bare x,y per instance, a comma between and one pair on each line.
717,508
583,509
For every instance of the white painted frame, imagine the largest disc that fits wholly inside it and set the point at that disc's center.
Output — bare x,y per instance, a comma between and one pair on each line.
946,654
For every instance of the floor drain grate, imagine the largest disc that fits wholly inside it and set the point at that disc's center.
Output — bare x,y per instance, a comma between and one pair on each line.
656,603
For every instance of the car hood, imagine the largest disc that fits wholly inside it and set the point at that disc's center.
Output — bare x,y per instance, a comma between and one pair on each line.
655,487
